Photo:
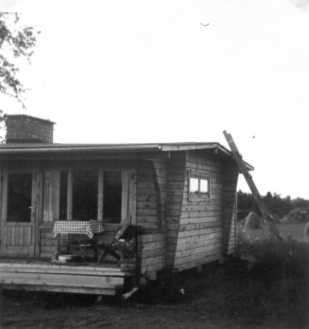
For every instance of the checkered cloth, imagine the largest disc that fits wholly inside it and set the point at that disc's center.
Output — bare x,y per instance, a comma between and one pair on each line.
77,227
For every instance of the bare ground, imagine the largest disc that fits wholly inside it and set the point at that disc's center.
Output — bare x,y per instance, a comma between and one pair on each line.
231,295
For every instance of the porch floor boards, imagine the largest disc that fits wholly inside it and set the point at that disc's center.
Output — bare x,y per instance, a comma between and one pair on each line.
44,275
40,261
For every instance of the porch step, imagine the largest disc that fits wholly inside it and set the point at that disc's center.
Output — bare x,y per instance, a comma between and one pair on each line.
62,278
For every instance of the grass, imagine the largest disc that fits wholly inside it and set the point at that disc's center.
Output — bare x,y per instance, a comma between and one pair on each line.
288,231
284,269
269,293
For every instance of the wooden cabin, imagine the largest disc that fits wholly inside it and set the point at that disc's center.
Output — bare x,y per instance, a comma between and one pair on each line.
182,195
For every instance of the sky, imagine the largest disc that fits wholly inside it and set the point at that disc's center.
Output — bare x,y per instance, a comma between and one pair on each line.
176,71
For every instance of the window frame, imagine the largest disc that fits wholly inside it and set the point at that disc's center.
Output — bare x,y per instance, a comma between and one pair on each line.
100,193
200,196
125,194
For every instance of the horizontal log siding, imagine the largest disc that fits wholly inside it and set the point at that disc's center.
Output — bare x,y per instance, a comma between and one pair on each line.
47,242
42,276
146,207
230,178
175,189
152,252
160,167
151,199
200,226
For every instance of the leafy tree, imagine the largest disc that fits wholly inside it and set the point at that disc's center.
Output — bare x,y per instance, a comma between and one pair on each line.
16,41
277,206
245,204
2,127
300,203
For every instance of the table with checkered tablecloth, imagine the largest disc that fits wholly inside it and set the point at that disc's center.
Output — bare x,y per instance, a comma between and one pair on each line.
77,227
71,227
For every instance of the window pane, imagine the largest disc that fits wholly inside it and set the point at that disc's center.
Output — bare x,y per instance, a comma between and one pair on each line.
194,185
112,196
63,195
85,195
19,197
204,186
51,195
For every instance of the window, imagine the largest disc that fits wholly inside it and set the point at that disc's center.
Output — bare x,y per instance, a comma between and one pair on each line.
198,187
63,194
86,194
194,185
204,186
112,194
51,209
19,197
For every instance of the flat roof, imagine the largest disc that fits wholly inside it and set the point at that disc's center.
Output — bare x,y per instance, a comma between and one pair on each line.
54,148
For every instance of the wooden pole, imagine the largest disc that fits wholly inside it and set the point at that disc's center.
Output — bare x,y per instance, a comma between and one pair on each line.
255,193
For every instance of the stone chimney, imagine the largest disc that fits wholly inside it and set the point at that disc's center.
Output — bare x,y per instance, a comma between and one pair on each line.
21,128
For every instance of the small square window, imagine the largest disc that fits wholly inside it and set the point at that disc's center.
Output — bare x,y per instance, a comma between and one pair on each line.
198,188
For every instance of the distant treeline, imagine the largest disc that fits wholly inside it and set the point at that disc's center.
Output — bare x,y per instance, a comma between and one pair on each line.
279,207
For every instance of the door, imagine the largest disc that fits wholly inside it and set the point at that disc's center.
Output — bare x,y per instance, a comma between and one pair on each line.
18,213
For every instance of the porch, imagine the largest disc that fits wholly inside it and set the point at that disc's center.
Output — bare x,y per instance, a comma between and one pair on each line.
44,275
105,278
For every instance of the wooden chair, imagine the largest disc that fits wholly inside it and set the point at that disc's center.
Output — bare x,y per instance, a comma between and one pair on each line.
125,232
86,244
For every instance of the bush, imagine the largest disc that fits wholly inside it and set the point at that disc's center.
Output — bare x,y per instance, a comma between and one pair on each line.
307,230
286,274
298,215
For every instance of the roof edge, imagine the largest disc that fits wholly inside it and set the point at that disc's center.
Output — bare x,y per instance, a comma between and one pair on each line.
28,116
62,148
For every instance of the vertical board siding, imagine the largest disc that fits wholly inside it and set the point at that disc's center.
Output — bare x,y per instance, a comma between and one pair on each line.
19,235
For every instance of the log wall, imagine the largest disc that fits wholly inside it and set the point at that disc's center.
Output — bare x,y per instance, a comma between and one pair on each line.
152,252
181,233
151,196
47,242
200,224
175,192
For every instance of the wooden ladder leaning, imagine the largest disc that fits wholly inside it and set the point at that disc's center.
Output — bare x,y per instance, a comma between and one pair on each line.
269,219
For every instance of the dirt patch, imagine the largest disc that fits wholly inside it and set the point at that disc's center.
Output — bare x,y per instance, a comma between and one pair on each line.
222,296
